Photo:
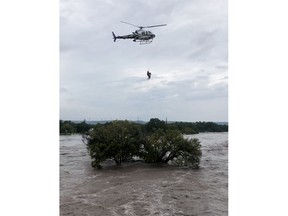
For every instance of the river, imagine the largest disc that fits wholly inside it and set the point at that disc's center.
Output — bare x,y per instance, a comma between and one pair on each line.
143,189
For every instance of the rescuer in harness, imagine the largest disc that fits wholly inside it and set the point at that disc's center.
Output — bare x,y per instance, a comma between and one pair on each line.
149,74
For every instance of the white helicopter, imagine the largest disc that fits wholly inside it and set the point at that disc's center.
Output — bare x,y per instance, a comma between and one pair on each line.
144,37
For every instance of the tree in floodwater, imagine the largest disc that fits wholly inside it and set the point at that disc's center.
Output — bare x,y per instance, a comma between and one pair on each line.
119,140
170,145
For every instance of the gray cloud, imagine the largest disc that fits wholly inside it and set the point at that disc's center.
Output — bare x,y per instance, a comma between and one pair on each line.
107,80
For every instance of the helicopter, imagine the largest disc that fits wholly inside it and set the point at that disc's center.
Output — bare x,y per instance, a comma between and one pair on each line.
141,36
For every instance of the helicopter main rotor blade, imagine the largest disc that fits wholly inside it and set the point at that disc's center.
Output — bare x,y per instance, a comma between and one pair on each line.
131,24
154,26
144,26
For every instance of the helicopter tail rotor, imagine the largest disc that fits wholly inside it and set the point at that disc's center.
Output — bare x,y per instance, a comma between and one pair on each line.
114,36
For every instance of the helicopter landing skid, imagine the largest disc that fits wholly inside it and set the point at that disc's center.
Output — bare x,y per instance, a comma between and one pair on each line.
145,42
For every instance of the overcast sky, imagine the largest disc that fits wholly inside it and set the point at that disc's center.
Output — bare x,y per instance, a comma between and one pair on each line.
188,61
105,80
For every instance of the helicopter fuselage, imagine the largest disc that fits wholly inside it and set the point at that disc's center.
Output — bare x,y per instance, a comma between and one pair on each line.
144,37
137,36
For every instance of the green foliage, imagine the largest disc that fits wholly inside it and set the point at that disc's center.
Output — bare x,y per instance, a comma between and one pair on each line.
191,155
184,127
123,140
155,124
164,146
119,140
198,127
67,127
158,145
83,127
155,142
211,127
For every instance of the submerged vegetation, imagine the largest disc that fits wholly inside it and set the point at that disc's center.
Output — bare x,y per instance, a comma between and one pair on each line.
170,145
154,142
119,140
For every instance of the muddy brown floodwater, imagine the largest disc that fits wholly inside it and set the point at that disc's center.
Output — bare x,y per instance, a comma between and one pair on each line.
143,189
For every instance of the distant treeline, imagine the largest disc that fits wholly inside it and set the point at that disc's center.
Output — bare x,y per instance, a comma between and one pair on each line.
70,127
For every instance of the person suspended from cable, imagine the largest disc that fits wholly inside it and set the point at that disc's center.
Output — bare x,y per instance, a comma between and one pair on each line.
149,74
